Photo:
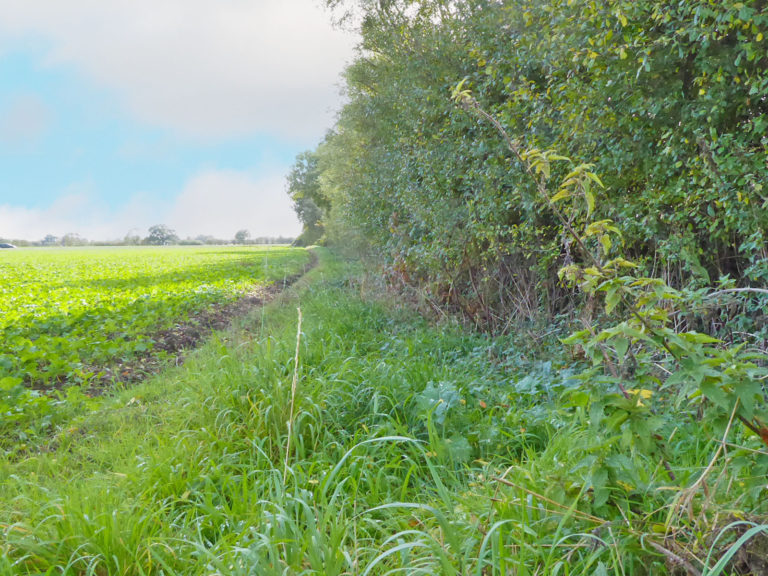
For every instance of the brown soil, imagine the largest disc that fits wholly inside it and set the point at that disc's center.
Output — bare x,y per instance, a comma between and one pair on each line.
173,343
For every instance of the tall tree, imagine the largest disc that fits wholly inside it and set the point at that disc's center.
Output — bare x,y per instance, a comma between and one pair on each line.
242,236
161,235
309,201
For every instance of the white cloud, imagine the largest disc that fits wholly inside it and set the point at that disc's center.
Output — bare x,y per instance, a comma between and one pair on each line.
23,120
216,203
78,210
203,68
220,203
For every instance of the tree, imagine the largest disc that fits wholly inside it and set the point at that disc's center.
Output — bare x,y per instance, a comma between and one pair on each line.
207,239
669,104
242,236
131,238
161,235
309,202
73,239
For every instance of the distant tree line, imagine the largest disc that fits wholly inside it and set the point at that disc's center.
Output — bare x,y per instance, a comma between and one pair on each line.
157,235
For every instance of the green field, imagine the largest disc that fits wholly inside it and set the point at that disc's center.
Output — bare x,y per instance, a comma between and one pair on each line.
93,316
406,447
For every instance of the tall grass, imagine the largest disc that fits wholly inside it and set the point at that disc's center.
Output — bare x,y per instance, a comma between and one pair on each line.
414,449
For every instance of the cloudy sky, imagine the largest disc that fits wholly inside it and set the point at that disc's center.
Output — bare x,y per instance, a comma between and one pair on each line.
119,114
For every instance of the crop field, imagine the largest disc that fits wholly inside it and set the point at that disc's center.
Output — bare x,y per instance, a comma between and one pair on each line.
70,316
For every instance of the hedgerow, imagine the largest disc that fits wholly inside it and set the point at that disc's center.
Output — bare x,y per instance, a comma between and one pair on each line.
667,100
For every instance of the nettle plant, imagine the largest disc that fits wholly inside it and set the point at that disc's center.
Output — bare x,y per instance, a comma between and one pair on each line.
643,346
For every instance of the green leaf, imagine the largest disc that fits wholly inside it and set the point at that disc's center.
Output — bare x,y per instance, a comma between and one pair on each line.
606,243
612,299
9,382
563,193
621,345
592,176
716,395
698,338
599,482
590,199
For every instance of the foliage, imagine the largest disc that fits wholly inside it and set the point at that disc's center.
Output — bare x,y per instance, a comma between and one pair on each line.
242,236
730,379
655,245
415,448
309,201
666,101
161,235
71,239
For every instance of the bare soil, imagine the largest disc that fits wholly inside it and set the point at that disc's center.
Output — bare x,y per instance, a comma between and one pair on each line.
171,345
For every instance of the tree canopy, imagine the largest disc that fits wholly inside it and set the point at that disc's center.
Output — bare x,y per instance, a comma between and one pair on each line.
309,200
242,236
667,100
161,235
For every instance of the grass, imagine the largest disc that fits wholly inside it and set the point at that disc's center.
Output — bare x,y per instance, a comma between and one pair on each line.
412,448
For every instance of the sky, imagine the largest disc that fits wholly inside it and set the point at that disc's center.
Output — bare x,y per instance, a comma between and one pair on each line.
116,115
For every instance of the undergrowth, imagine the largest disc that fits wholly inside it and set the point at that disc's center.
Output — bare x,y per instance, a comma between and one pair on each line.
415,448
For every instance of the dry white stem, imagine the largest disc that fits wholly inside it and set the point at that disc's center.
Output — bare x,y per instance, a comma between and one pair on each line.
294,385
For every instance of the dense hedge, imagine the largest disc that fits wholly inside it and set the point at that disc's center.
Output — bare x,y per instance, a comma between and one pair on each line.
667,99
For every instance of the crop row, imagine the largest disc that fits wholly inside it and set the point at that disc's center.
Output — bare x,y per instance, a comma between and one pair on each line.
65,315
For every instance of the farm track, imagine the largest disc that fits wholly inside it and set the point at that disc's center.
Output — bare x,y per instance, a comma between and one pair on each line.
186,336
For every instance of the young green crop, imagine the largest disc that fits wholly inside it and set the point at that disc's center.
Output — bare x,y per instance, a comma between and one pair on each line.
66,315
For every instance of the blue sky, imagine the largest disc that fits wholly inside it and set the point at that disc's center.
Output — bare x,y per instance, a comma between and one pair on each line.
116,118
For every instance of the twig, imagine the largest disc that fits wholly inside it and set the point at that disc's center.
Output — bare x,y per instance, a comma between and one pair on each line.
550,501
739,447
690,568
737,290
